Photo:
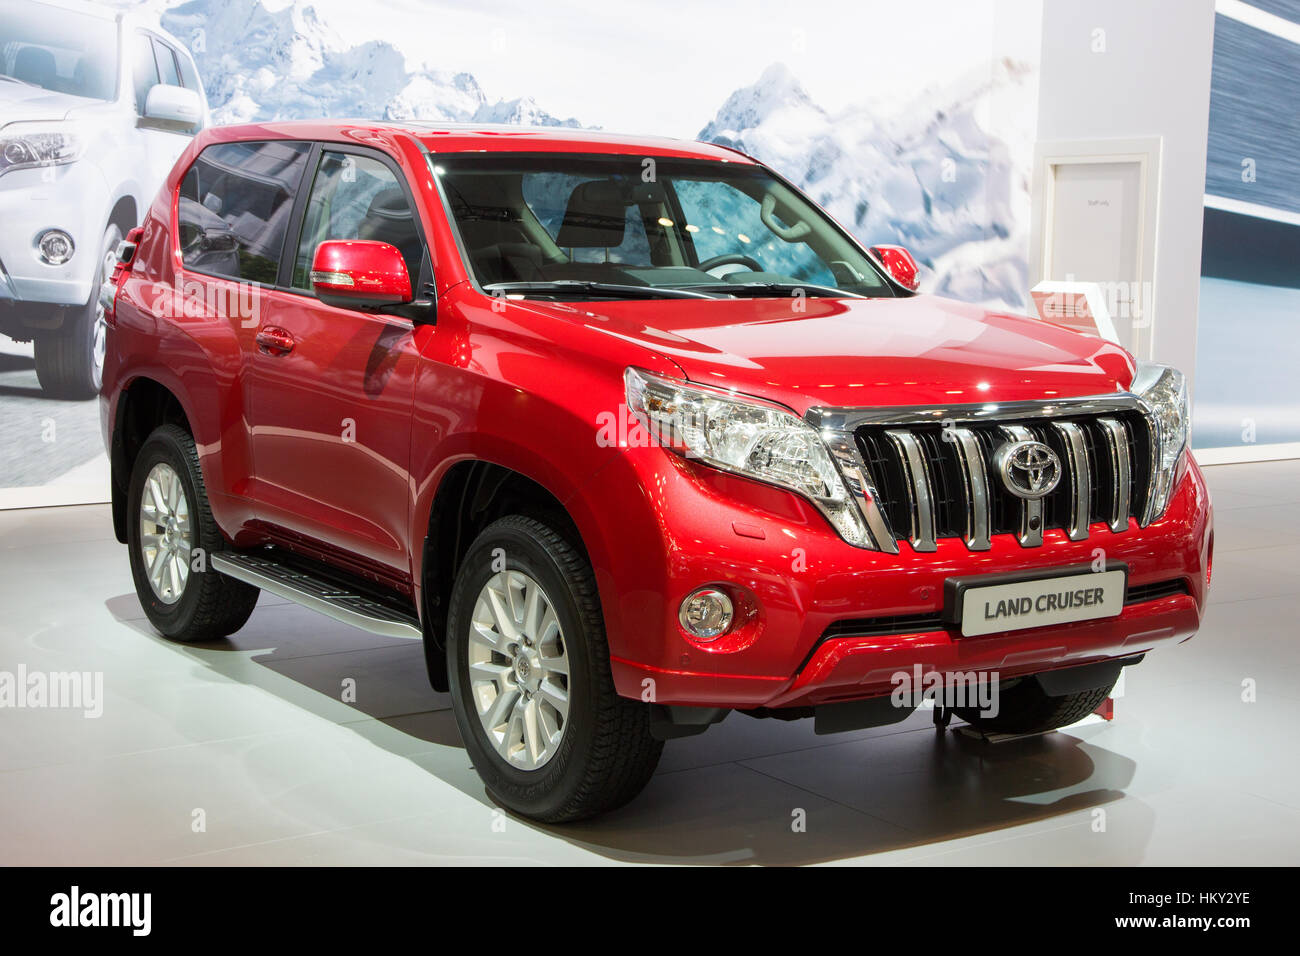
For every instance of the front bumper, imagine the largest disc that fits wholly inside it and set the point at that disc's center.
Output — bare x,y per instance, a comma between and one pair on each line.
797,585
73,198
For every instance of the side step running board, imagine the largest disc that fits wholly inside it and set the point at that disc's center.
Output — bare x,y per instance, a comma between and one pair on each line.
333,600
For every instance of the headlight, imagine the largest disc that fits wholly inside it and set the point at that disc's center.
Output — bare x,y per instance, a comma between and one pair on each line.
1164,390
30,145
747,437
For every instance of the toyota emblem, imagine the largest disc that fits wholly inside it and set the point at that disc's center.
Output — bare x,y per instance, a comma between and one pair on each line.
1029,469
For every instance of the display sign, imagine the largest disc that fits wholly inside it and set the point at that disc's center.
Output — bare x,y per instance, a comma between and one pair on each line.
1078,305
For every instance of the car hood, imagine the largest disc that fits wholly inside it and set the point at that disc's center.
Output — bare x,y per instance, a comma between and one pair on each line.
919,350
21,103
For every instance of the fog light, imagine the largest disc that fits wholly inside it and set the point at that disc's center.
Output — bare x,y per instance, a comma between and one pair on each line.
55,247
706,613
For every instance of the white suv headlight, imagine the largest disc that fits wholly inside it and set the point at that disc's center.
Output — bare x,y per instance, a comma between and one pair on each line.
748,437
32,145
1164,390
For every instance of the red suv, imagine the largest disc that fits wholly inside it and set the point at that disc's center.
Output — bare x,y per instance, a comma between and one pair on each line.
631,435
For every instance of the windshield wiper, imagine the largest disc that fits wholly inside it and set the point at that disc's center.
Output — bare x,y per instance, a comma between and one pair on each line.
14,79
790,288
611,290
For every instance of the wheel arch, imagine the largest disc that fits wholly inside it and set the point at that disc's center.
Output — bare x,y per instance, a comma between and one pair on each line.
471,494
125,214
144,404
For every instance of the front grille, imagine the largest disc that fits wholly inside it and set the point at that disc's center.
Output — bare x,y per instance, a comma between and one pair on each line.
938,480
900,624
880,626
1140,594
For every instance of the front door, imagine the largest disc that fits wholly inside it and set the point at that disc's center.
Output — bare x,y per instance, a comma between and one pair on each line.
332,388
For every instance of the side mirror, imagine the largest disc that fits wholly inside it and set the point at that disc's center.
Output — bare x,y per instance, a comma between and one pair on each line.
173,105
359,273
900,265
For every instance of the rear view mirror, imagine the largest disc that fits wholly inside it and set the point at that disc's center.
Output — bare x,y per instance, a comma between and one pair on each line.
173,106
359,273
900,265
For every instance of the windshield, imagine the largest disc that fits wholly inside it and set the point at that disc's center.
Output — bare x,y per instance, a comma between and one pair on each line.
58,49
562,226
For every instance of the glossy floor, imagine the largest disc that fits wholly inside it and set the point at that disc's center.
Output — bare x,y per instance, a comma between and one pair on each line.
246,752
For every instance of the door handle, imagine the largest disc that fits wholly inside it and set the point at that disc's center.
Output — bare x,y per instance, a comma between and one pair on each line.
274,341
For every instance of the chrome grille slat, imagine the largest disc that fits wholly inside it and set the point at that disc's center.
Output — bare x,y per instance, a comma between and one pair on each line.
928,473
854,469
975,476
919,489
1080,472
1121,477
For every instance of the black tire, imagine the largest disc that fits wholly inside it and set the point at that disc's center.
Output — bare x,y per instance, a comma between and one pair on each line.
210,605
1026,708
70,360
606,755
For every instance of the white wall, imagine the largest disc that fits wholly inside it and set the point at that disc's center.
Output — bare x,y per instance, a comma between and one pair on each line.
1151,79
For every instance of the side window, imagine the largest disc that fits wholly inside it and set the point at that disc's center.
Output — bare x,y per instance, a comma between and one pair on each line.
189,73
166,63
356,197
144,69
234,206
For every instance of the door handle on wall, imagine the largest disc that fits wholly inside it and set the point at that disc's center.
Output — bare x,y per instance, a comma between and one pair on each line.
274,341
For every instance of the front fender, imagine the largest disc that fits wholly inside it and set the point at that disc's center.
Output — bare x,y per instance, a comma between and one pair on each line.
529,393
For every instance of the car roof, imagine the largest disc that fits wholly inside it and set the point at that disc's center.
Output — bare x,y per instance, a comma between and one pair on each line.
143,20
98,10
488,137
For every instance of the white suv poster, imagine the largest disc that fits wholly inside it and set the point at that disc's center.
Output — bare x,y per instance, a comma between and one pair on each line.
942,168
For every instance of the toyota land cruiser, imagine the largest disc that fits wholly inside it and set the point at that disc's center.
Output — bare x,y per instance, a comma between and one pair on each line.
631,435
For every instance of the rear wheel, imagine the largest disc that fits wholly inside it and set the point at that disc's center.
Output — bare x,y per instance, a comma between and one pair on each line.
530,679
70,361
1026,708
171,538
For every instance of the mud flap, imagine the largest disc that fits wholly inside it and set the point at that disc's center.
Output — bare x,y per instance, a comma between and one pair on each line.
858,715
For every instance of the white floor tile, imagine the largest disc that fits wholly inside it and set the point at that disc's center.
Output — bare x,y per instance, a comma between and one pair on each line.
256,731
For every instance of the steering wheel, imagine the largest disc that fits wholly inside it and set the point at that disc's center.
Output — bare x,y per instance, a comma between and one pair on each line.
731,259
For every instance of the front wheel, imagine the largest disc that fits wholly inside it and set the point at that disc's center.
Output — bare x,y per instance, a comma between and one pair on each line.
530,679
171,536
70,360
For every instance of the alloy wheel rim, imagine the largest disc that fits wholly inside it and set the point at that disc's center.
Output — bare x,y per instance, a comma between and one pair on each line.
166,535
97,347
518,667
99,334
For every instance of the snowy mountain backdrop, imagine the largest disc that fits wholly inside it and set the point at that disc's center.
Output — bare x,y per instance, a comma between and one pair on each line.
930,176
260,63
944,171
